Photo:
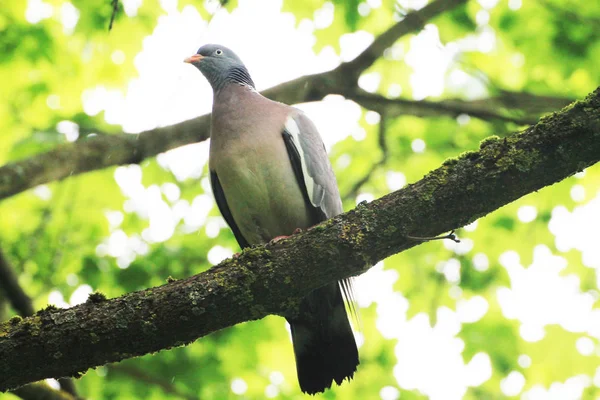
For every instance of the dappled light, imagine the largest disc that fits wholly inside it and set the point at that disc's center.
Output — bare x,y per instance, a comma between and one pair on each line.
509,310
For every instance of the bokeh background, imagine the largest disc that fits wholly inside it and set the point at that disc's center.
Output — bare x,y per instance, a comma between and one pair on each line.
510,312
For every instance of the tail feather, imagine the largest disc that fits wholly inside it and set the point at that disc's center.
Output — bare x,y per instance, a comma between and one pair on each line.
323,341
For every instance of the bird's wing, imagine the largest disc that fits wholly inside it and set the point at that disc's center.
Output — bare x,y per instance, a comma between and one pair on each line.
311,165
316,178
225,211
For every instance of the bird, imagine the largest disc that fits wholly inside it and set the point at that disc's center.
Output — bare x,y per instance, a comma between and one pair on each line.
270,176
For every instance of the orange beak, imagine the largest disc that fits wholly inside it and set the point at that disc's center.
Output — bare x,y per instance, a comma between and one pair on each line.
194,59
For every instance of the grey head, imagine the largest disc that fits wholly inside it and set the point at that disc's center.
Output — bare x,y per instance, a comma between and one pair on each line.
220,66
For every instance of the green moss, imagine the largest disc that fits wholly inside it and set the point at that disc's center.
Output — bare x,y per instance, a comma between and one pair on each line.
257,311
362,204
319,228
96,297
148,327
470,155
290,307
519,159
48,308
573,105
94,338
433,181
450,162
352,233
197,311
390,230
489,141
15,320
33,325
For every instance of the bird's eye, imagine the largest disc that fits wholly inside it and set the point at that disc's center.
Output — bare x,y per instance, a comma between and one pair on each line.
219,52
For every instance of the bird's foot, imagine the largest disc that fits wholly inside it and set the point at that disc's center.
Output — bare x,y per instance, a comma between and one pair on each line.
450,236
277,239
281,237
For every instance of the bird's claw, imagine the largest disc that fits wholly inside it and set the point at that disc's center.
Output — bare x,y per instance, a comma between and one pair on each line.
281,237
277,239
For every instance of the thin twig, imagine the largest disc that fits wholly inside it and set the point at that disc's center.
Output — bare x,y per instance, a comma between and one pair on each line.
450,236
115,9
381,140
61,243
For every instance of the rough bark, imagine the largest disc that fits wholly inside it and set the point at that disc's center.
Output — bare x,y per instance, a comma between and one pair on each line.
271,279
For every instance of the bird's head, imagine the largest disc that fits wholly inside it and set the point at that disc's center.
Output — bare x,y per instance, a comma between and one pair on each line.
220,65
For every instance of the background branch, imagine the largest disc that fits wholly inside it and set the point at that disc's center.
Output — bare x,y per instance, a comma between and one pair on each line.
411,22
143,376
487,109
272,279
115,8
101,151
41,391
22,304
9,284
381,141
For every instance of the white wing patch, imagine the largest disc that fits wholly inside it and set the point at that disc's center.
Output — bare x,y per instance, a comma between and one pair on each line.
292,127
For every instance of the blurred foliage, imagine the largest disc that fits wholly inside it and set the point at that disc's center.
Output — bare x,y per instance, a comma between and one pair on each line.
55,241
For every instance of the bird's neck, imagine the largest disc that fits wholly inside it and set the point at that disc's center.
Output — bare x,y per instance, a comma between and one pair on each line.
226,101
237,75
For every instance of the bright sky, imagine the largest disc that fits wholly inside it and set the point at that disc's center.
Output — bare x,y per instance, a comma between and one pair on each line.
168,91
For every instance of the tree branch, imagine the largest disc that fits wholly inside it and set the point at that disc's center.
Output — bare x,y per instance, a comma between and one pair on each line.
101,151
272,279
413,21
9,284
381,141
115,8
41,391
486,109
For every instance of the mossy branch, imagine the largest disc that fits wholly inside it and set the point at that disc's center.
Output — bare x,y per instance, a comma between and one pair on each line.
272,279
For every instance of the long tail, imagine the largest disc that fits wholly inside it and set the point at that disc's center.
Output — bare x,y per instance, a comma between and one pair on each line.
323,341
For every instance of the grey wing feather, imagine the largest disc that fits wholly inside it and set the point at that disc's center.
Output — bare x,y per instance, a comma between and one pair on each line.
320,182
318,176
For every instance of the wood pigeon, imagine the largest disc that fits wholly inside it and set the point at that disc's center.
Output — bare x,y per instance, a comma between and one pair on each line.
270,175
